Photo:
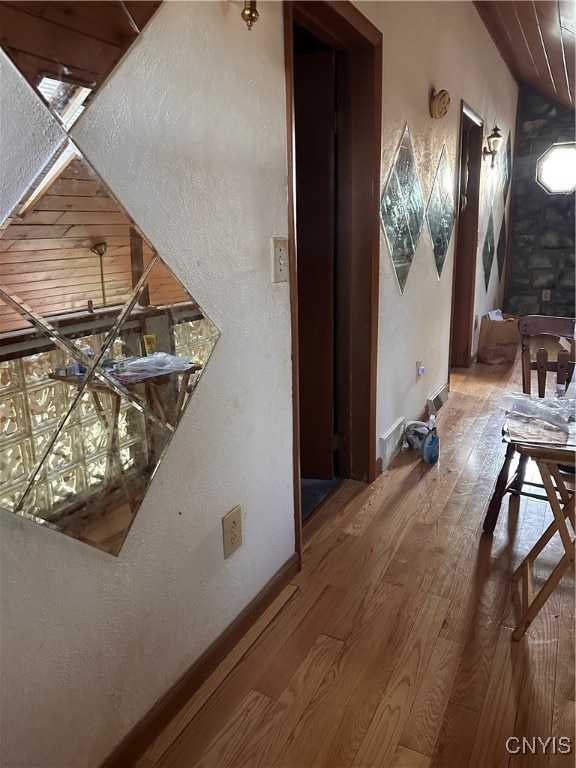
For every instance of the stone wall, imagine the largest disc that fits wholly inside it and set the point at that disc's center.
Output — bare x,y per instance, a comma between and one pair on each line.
541,248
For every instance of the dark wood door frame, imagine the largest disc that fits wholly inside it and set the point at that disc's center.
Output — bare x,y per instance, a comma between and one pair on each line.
466,243
358,45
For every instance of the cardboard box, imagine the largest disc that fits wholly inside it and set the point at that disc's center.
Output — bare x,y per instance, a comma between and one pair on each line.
499,340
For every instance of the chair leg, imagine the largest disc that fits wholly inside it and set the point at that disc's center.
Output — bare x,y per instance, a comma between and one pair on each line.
499,490
518,482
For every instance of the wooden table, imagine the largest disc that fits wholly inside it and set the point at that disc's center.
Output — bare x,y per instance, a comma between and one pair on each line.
130,380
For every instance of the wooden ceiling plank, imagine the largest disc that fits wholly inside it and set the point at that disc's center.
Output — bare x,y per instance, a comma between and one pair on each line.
50,294
61,203
490,15
14,323
33,34
32,232
63,256
98,231
30,6
55,281
548,42
509,18
50,243
568,48
547,9
79,169
94,217
80,188
553,37
529,29
41,301
37,217
105,21
532,43
58,265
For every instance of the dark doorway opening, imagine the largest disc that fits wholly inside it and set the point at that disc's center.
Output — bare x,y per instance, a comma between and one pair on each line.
316,141
464,281
334,88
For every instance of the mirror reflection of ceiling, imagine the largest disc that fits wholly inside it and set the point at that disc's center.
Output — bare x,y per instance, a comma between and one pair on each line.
101,347
66,50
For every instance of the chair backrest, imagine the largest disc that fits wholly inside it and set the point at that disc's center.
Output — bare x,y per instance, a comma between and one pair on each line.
532,326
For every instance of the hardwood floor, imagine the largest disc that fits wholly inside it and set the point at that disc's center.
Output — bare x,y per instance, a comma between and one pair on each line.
393,647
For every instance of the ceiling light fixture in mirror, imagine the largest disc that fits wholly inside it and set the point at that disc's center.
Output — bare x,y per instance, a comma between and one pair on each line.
101,347
65,50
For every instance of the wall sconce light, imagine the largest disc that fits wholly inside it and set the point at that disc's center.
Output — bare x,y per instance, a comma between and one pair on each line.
249,13
493,142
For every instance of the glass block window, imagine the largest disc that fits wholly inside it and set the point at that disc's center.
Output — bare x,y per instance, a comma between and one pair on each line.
33,407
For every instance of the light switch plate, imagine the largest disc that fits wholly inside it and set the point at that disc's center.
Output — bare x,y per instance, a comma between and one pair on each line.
279,259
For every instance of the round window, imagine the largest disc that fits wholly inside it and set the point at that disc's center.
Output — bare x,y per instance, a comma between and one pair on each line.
556,169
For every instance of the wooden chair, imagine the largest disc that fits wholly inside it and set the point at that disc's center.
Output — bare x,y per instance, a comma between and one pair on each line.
532,327
561,500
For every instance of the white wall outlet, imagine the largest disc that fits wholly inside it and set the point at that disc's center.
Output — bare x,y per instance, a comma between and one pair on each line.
546,295
279,259
232,531
419,369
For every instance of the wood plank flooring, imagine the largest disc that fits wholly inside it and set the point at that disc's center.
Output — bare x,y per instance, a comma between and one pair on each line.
393,647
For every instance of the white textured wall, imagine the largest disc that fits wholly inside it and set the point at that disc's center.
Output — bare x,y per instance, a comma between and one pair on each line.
189,133
425,45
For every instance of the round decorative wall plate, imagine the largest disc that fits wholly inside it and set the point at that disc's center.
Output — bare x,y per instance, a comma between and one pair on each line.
439,103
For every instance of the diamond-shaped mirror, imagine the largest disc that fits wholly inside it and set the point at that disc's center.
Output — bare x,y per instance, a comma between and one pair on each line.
506,166
101,347
66,50
501,248
488,251
440,213
402,210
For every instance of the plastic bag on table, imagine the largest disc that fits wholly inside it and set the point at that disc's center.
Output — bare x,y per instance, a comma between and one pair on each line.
556,411
159,362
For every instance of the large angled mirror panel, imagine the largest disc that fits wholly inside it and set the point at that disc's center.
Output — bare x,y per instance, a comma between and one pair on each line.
101,348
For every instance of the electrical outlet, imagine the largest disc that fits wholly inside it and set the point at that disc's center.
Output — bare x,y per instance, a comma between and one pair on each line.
279,259
419,369
546,295
232,531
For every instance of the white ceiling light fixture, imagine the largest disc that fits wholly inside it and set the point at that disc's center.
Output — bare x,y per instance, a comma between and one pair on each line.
556,169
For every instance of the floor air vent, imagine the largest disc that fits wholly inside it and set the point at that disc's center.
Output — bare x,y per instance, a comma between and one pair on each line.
437,400
391,442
